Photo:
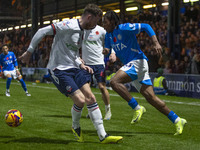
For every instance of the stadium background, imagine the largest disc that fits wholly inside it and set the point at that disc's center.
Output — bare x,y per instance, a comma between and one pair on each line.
47,115
176,23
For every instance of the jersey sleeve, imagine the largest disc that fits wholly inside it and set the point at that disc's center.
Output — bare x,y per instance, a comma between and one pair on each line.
136,28
48,30
62,27
107,43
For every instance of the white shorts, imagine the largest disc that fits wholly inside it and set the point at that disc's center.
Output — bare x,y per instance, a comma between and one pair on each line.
12,73
138,70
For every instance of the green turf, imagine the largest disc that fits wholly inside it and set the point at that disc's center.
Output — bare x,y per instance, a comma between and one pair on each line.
47,122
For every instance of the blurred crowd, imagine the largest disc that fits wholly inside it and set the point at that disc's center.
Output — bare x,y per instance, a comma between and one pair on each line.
188,60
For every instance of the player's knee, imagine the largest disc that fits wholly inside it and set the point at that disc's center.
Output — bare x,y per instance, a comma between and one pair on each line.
90,99
102,88
79,99
113,83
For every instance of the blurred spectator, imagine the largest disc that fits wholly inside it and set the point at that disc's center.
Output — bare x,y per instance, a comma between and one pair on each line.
19,40
167,68
195,64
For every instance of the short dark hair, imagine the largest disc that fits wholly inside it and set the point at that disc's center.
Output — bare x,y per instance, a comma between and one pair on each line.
93,9
112,16
5,45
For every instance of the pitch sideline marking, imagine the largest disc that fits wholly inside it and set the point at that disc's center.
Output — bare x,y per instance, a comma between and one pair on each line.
174,102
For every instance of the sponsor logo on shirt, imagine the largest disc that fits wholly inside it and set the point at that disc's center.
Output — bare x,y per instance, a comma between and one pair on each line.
90,42
71,47
119,46
135,50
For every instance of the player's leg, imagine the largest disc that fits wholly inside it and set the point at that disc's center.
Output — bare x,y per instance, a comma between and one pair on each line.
96,116
93,110
64,81
106,99
99,73
148,93
76,111
117,83
23,84
8,75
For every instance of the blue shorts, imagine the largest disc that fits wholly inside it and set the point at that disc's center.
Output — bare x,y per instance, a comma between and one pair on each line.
99,73
68,81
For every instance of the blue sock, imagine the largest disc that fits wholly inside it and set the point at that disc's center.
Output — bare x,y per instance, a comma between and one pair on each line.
23,84
133,103
172,116
8,83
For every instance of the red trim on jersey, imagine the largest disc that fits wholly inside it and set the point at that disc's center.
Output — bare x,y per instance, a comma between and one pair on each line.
54,29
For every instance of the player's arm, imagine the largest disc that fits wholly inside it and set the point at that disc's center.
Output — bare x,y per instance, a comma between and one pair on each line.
16,64
39,35
147,28
107,46
81,65
112,56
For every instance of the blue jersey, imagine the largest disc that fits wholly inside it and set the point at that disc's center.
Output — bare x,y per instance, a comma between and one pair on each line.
124,42
8,62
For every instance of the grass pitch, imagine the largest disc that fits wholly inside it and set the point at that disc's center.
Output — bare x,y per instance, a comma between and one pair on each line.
47,122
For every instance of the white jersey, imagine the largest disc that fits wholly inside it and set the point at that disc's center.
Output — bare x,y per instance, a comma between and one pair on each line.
66,44
92,46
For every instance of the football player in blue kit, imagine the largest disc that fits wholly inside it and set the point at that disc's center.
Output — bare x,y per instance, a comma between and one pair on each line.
122,38
10,70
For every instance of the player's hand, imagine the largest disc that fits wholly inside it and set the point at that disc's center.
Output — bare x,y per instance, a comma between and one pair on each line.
25,57
18,73
158,49
112,57
156,46
82,60
106,51
87,68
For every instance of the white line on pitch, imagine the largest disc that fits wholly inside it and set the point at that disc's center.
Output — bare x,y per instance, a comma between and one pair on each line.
168,101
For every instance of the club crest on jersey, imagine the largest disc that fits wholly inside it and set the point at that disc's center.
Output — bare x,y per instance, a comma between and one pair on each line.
119,36
68,88
10,57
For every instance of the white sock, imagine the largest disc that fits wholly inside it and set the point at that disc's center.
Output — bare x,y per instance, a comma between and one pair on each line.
96,117
76,116
137,107
177,120
107,107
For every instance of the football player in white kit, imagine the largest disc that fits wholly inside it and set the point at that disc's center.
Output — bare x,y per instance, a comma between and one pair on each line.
92,47
66,69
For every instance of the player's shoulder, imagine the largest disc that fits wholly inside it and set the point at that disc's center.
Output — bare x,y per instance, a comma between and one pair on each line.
11,53
126,26
70,23
99,27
